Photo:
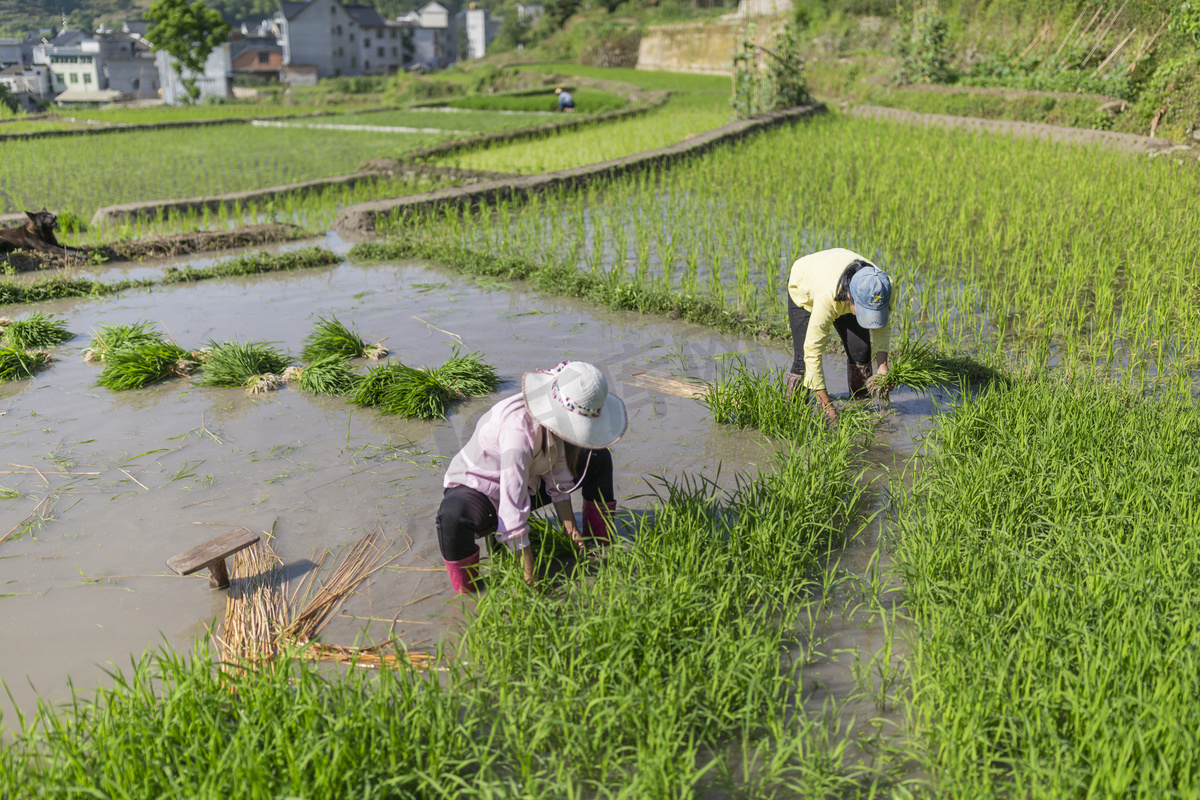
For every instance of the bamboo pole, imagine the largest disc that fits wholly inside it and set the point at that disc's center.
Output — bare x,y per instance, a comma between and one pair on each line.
1113,54
1088,27
1067,38
1104,33
1141,53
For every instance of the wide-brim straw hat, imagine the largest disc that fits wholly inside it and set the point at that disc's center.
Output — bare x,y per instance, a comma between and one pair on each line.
573,402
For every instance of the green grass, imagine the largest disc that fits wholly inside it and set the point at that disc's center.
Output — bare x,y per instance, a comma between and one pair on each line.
602,141
36,331
587,101
663,671
1049,552
189,162
58,287
425,392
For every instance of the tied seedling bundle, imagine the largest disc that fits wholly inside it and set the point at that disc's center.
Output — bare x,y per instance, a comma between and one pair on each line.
922,367
121,336
232,364
331,338
134,356
35,331
424,392
19,365
329,375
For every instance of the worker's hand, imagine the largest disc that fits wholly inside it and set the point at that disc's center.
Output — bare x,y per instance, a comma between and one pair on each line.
830,414
576,536
882,369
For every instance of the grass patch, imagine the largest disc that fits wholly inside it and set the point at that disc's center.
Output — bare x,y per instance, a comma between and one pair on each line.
605,290
1049,550
35,331
587,101
59,287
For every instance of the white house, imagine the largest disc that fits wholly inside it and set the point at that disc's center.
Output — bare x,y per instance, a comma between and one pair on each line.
29,84
215,81
481,30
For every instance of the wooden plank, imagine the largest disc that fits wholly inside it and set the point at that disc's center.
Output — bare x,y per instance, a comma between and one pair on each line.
217,549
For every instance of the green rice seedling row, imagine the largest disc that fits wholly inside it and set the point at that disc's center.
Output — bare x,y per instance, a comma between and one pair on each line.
987,253
166,164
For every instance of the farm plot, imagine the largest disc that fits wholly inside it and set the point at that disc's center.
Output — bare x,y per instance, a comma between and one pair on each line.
460,122
988,253
82,174
733,580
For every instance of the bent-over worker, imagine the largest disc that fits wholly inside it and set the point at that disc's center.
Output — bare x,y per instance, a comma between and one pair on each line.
565,101
837,290
533,448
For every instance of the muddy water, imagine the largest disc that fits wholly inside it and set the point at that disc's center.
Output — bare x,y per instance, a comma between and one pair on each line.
110,485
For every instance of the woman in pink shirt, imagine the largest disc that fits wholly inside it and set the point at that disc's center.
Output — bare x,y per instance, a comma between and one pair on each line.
530,449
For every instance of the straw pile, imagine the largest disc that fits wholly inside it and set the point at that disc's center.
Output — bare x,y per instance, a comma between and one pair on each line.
667,384
262,622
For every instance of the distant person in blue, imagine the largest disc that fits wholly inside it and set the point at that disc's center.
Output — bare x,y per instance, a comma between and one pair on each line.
565,101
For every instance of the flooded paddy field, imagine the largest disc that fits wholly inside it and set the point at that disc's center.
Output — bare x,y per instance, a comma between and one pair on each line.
101,487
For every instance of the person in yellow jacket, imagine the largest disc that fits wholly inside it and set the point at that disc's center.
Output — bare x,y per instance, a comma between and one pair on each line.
837,290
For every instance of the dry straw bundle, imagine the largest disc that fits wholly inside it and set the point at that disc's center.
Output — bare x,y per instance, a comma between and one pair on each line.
262,621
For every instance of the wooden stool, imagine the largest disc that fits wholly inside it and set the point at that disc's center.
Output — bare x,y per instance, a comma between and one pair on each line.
212,554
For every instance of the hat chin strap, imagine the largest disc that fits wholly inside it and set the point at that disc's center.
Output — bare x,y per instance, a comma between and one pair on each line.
579,482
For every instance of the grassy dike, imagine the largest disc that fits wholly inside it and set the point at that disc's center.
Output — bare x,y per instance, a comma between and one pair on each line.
1050,553
659,671
57,287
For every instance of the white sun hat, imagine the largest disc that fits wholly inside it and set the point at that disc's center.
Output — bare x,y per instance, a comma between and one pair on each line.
573,402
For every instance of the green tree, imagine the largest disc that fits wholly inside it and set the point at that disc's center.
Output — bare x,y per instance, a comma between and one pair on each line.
189,34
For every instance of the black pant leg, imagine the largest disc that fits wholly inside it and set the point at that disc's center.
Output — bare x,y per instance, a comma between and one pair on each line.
598,476
798,321
855,339
464,515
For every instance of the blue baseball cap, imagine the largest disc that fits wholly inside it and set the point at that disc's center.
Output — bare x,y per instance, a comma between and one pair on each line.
871,291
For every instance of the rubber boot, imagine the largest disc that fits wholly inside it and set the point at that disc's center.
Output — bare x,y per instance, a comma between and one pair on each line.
795,382
464,574
856,376
598,521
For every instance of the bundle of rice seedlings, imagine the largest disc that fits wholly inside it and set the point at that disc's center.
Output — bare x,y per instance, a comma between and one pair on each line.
330,375
137,366
36,330
416,393
252,365
117,336
915,365
331,338
425,393
372,387
19,365
467,376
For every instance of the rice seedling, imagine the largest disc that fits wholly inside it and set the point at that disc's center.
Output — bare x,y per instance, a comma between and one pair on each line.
19,365
256,366
604,677
331,338
1048,550
137,365
329,375
119,336
425,392
38,330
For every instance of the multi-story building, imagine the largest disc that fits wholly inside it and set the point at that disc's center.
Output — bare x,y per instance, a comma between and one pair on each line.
28,84
215,81
98,68
339,39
